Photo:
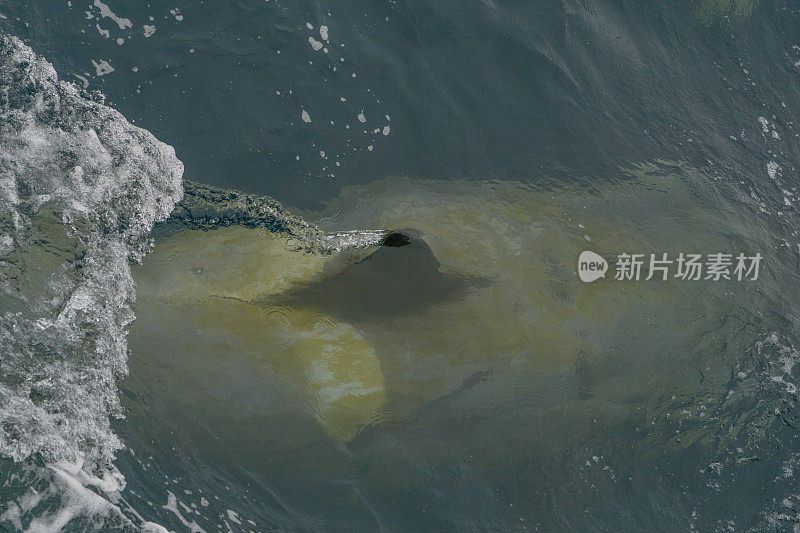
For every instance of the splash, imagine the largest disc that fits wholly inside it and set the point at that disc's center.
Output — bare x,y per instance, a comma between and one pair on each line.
80,190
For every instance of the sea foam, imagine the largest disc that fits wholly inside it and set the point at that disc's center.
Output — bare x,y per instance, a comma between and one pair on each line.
80,190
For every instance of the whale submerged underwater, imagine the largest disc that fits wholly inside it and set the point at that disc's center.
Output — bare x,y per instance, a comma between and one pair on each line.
481,307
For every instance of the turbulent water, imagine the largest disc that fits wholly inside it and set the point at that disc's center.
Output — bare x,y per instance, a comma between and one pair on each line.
179,355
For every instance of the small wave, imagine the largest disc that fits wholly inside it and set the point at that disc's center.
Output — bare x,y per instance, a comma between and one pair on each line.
206,207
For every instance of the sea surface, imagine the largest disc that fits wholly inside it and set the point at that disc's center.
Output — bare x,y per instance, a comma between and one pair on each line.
314,265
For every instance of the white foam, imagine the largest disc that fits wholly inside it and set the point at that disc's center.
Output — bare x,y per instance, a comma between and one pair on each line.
106,12
315,44
354,239
172,506
76,173
102,67
772,170
233,517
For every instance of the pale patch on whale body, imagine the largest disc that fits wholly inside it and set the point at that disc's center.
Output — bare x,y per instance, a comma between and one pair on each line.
341,370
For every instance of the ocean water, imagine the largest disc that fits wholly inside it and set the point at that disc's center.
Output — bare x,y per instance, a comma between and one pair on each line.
314,266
